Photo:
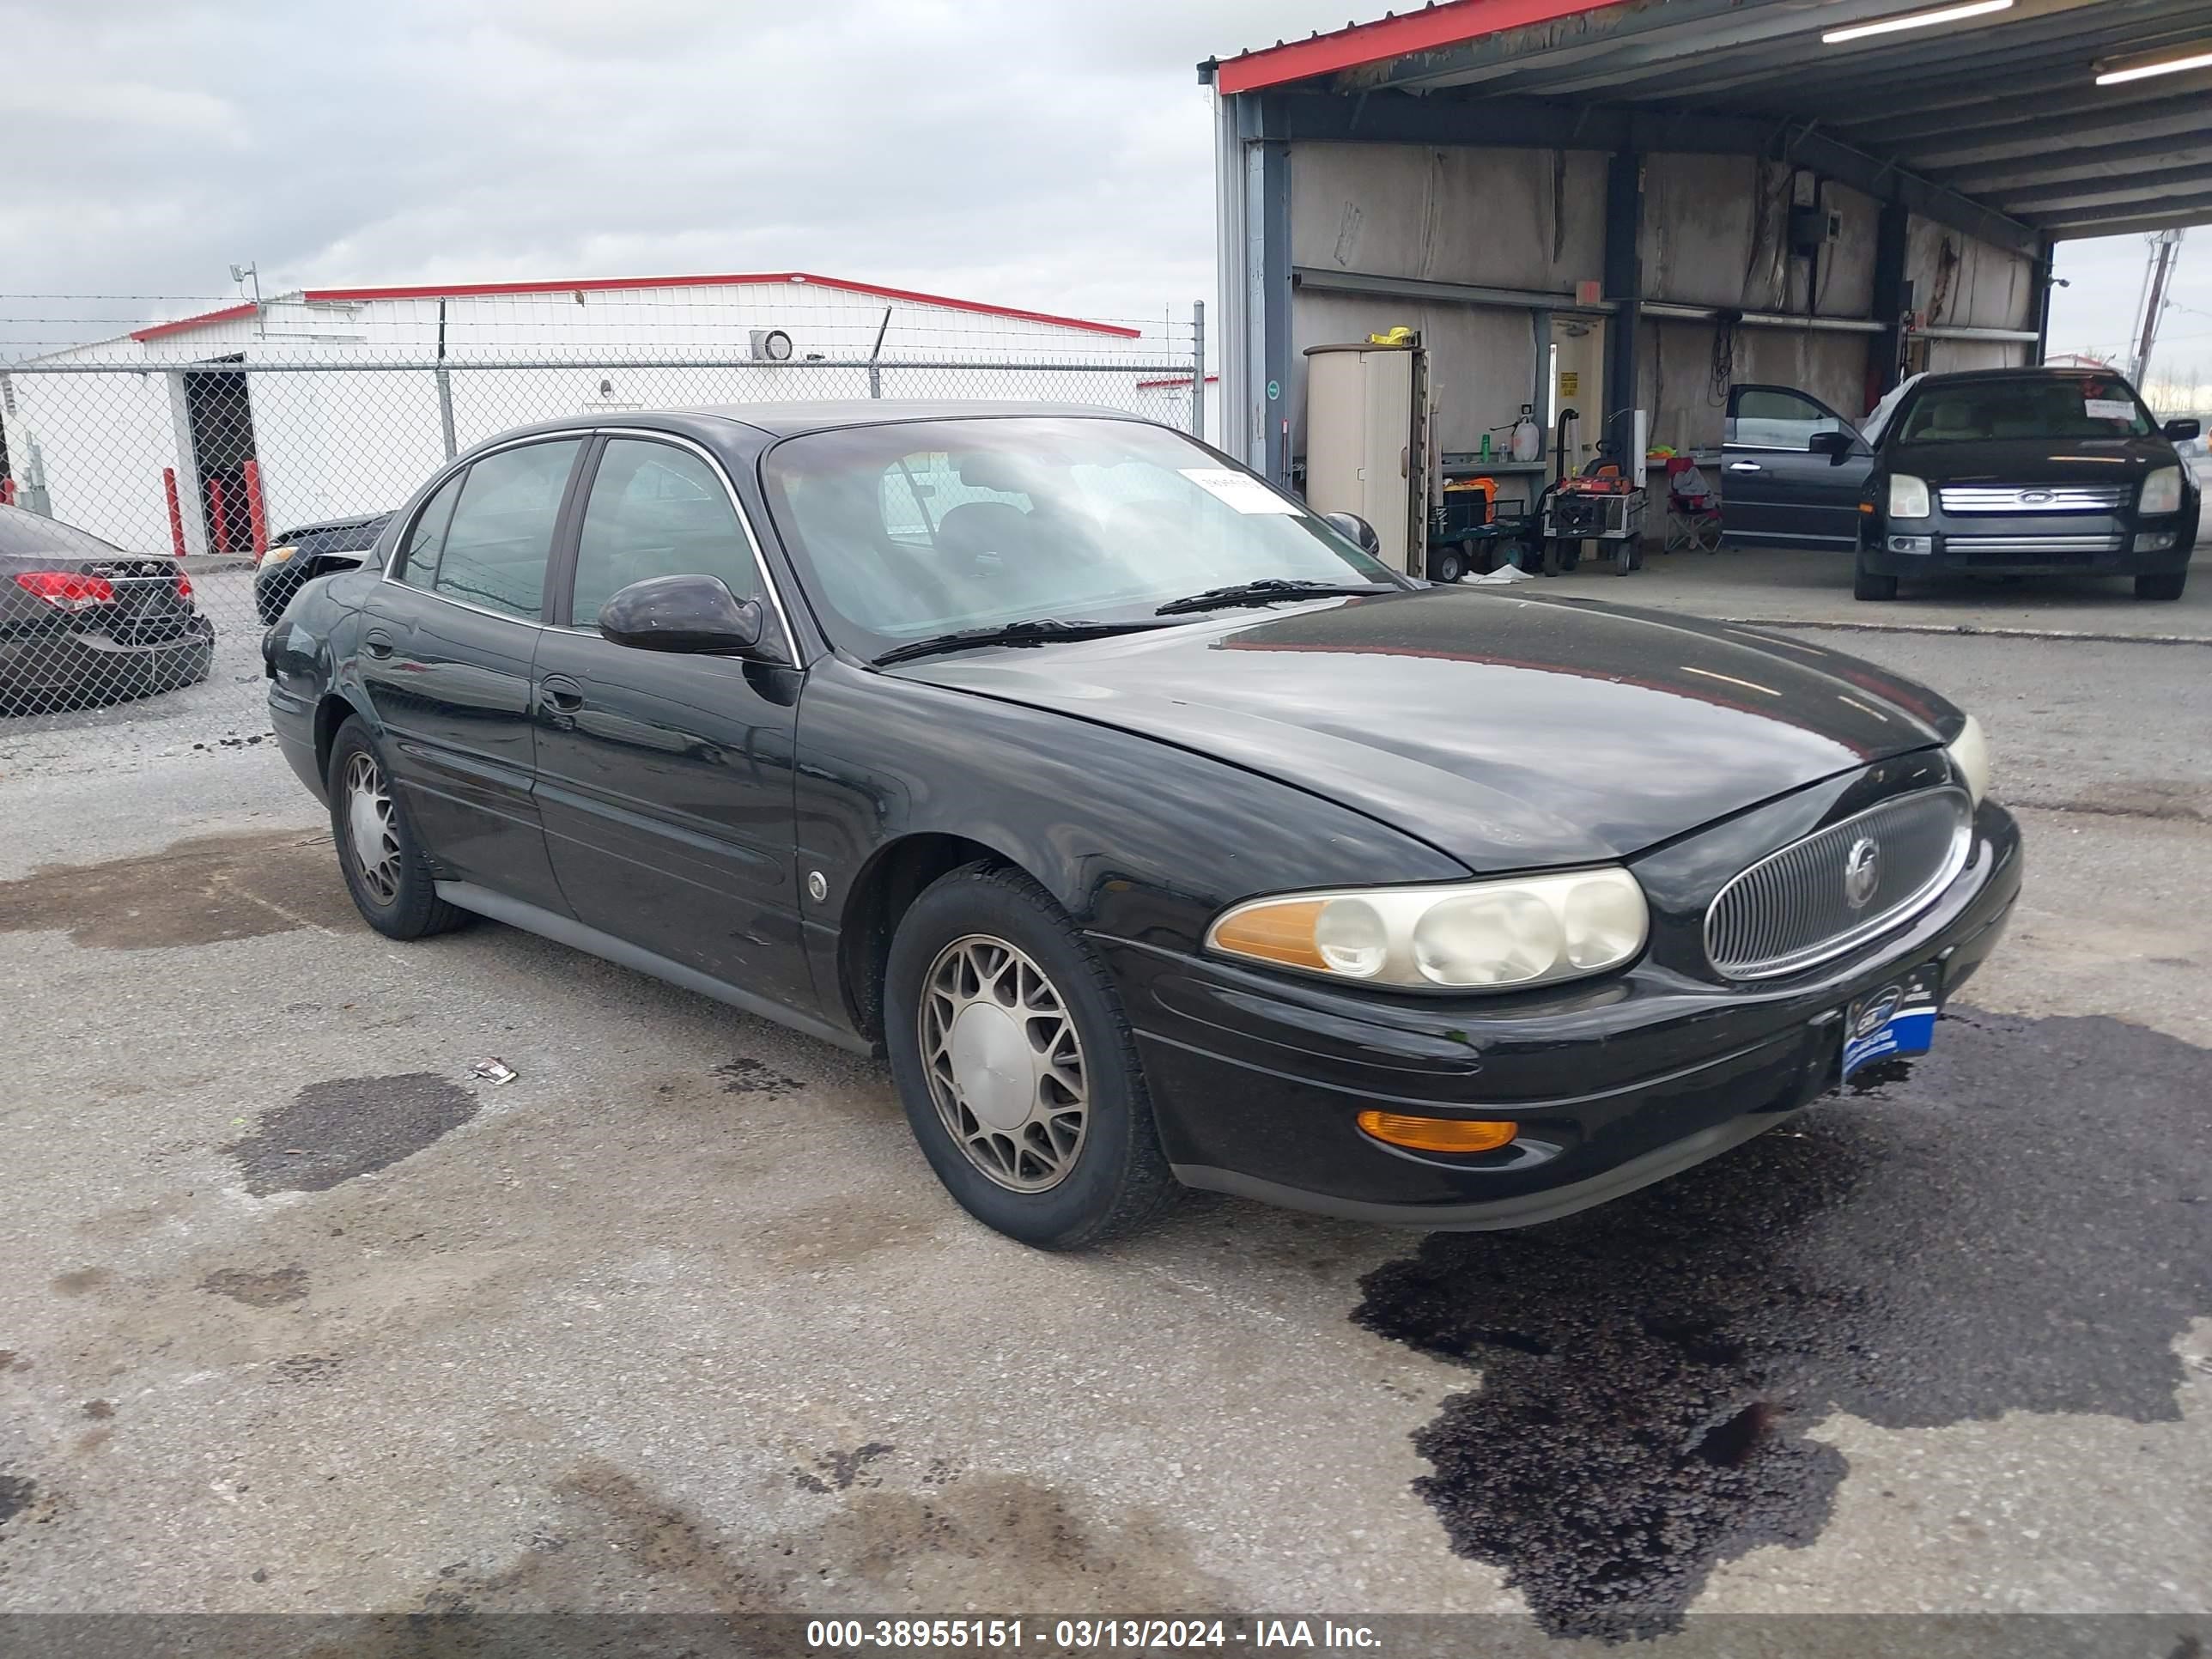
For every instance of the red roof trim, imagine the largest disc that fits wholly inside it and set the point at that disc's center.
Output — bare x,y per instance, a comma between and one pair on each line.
227,314
1450,24
1173,380
612,284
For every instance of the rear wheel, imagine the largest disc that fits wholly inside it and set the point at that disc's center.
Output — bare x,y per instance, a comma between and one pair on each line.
1017,1068
1866,585
2165,585
1447,565
387,868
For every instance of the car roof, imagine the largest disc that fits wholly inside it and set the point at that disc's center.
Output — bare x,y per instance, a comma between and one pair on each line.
785,419
359,521
1953,377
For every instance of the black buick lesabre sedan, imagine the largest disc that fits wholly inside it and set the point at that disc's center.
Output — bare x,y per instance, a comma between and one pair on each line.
1155,832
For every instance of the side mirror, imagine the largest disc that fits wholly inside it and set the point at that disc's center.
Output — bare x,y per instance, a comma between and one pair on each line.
1355,529
2182,431
1838,446
695,614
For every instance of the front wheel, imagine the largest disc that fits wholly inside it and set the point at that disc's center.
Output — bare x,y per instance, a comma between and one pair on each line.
1866,585
1017,1068
1447,565
2164,585
387,868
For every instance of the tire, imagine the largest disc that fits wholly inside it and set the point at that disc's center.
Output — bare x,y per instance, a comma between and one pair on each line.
975,938
2165,585
396,893
1865,585
1447,566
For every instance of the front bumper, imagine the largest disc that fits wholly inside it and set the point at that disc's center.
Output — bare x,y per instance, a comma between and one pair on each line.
1257,1078
2058,544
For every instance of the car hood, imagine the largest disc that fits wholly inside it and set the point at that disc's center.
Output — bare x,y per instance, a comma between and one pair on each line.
2031,460
1509,732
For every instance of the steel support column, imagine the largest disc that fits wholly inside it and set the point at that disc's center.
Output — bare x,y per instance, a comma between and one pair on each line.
1624,287
1891,240
1266,446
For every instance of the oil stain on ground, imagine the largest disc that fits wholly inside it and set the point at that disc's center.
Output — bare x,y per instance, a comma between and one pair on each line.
270,1289
348,1127
2022,1225
199,891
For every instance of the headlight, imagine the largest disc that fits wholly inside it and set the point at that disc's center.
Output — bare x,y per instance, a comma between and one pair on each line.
1484,935
1970,753
1908,496
278,555
2161,491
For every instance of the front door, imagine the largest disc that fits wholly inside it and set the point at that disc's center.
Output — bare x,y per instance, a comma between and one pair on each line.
1774,487
664,778
446,648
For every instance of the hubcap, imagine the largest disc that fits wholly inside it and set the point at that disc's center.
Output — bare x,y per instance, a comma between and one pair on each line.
369,827
1005,1063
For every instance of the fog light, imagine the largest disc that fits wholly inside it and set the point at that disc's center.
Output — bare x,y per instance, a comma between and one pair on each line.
1912,543
2155,541
1439,1135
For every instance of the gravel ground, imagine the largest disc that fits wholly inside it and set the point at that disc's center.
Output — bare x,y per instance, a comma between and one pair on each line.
301,1315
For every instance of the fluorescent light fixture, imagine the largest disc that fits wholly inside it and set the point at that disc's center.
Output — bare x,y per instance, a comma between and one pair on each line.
1914,20
2113,70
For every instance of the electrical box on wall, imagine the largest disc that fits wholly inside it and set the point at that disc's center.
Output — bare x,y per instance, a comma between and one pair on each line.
1811,228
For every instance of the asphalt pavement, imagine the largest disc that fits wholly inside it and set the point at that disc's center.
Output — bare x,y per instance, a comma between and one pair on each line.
301,1314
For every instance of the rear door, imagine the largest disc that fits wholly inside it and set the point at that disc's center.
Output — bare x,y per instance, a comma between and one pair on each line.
1773,488
447,643
664,778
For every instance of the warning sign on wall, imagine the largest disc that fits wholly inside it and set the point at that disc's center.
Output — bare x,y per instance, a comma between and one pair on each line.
1571,383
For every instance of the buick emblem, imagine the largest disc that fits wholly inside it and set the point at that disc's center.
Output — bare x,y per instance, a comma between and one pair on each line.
2036,498
1861,871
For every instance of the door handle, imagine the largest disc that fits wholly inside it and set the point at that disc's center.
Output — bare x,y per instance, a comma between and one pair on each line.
563,695
1744,466
377,642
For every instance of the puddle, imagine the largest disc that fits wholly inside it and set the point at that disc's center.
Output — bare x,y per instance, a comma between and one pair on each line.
348,1127
200,891
2024,1224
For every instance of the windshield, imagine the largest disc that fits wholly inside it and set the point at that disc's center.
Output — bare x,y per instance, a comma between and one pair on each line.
1976,411
905,532
23,533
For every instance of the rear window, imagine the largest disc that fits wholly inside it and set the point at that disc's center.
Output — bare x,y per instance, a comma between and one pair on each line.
1980,411
24,533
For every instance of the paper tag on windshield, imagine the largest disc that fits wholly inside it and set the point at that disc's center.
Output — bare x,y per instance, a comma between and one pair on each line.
1245,494
2107,408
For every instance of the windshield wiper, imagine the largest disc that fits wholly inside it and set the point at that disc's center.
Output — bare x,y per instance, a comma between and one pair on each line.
1266,591
1034,631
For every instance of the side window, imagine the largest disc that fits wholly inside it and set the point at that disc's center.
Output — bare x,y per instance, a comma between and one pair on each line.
418,559
1771,417
503,529
656,510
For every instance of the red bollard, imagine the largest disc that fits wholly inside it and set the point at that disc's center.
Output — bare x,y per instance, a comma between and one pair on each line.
256,516
214,512
7,492
176,513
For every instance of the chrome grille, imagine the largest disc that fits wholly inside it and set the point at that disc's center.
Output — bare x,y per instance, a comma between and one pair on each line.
1793,908
2029,547
2035,498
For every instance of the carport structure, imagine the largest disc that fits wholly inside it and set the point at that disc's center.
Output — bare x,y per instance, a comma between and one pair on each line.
1720,190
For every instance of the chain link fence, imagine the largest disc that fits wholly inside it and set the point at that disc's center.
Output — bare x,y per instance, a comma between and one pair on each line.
164,491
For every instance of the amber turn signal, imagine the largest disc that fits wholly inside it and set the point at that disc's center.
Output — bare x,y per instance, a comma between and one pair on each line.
1275,932
1439,1135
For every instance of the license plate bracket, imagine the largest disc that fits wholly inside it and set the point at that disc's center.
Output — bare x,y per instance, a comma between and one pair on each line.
1895,1021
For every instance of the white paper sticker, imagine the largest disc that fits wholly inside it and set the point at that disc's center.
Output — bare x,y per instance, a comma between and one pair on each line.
2107,408
1245,493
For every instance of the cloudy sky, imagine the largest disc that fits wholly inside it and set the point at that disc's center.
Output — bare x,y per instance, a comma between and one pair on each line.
1054,154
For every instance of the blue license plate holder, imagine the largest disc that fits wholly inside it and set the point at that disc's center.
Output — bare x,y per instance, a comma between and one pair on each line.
1895,1021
